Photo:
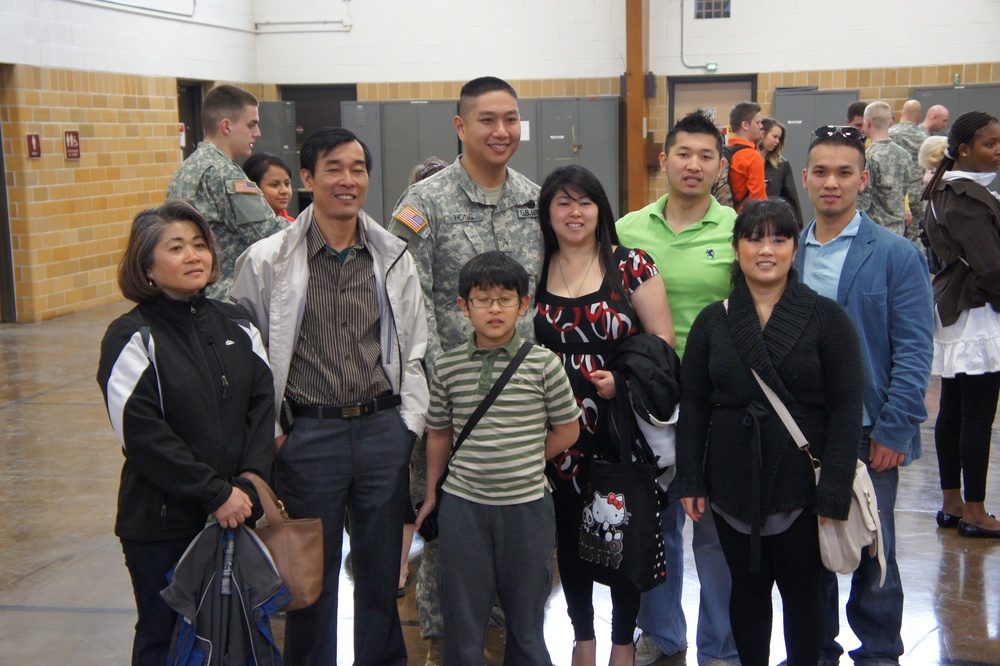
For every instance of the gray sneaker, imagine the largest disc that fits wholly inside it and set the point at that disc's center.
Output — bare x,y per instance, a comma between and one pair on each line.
646,651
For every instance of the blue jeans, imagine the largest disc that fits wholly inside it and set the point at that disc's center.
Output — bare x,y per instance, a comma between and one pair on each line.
875,614
327,468
148,563
661,616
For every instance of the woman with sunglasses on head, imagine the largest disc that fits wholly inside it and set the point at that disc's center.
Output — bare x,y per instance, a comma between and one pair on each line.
777,171
963,227
592,294
191,398
733,448
274,178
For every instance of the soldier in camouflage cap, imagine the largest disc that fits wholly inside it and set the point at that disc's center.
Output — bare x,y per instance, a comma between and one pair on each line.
475,205
892,176
214,184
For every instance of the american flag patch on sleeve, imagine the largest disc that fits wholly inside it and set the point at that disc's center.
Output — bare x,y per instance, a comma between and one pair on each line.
412,219
245,186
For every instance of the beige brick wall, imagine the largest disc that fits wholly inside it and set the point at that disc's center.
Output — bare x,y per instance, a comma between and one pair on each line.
70,218
386,92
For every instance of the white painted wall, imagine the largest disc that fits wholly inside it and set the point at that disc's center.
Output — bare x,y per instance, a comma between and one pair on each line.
795,35
446,40
197,39
346,41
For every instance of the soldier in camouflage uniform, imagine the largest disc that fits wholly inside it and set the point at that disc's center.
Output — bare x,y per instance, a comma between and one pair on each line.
907,133
474,205
892,176
214,184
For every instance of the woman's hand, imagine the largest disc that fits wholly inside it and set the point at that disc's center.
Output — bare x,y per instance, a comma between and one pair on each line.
279,441
694,507
605,383
235,510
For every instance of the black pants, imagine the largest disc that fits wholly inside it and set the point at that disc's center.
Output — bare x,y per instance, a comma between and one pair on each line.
578,587
963,432
790,559
148,563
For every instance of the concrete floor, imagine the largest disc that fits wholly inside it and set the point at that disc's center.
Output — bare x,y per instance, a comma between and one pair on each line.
65,595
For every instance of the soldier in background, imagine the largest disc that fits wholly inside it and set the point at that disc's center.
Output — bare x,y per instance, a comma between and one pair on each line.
936,119
475,205
214,184
856,114
907,133
893,175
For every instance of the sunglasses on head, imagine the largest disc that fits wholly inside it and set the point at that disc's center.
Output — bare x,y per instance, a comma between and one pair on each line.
846,131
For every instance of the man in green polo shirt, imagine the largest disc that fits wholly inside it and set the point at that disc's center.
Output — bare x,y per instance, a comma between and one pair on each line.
689,235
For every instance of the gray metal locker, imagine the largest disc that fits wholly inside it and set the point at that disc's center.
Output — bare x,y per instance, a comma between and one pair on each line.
572,130
365,120
277,136
802,111
599,142
412,132
525,160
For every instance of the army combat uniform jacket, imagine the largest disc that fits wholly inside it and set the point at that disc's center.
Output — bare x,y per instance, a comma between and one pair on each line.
893,176
447,220
232,204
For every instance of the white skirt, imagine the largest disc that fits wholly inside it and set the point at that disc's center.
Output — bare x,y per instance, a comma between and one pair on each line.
971,345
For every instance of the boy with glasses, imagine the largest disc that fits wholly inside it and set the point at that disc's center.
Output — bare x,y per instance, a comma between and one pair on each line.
496,517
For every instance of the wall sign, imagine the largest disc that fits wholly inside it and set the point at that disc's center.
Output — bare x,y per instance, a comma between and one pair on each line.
71,142
34,146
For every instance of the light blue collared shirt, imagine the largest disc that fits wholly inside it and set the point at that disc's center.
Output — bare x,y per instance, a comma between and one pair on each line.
824,262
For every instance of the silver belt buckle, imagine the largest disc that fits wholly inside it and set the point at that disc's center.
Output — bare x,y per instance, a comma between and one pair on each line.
351,411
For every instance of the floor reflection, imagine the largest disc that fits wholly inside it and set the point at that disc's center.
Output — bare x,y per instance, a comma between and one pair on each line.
65,596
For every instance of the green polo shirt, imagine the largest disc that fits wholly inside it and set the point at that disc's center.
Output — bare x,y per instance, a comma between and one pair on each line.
695,263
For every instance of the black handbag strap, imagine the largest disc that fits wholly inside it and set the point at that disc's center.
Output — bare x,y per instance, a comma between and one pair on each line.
501,381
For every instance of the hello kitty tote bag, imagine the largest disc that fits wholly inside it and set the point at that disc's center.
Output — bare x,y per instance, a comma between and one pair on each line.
621,542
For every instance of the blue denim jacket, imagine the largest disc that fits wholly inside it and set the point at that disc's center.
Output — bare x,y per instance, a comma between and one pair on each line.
886,290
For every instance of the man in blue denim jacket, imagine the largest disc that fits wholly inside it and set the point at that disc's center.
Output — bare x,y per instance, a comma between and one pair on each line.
881,280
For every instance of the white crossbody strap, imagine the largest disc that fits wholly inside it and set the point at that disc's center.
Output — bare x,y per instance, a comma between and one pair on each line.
779,406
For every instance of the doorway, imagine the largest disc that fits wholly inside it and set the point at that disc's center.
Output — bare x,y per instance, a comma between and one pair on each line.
715,94
189,115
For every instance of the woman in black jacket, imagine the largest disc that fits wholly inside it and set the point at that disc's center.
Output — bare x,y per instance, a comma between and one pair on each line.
777,171
963,228
190,396
735,454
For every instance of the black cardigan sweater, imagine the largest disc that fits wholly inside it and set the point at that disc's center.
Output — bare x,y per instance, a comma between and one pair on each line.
810,355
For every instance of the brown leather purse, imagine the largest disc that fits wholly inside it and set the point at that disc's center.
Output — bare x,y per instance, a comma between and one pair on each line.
296,546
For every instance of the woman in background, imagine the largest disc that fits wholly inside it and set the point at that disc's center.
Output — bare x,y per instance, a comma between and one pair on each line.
777,170
191,398
963,228
274,178
592,294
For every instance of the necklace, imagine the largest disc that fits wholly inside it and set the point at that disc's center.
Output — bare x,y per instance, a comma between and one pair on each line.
582,280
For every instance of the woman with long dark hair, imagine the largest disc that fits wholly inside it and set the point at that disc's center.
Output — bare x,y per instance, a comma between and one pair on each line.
963,227
592,294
